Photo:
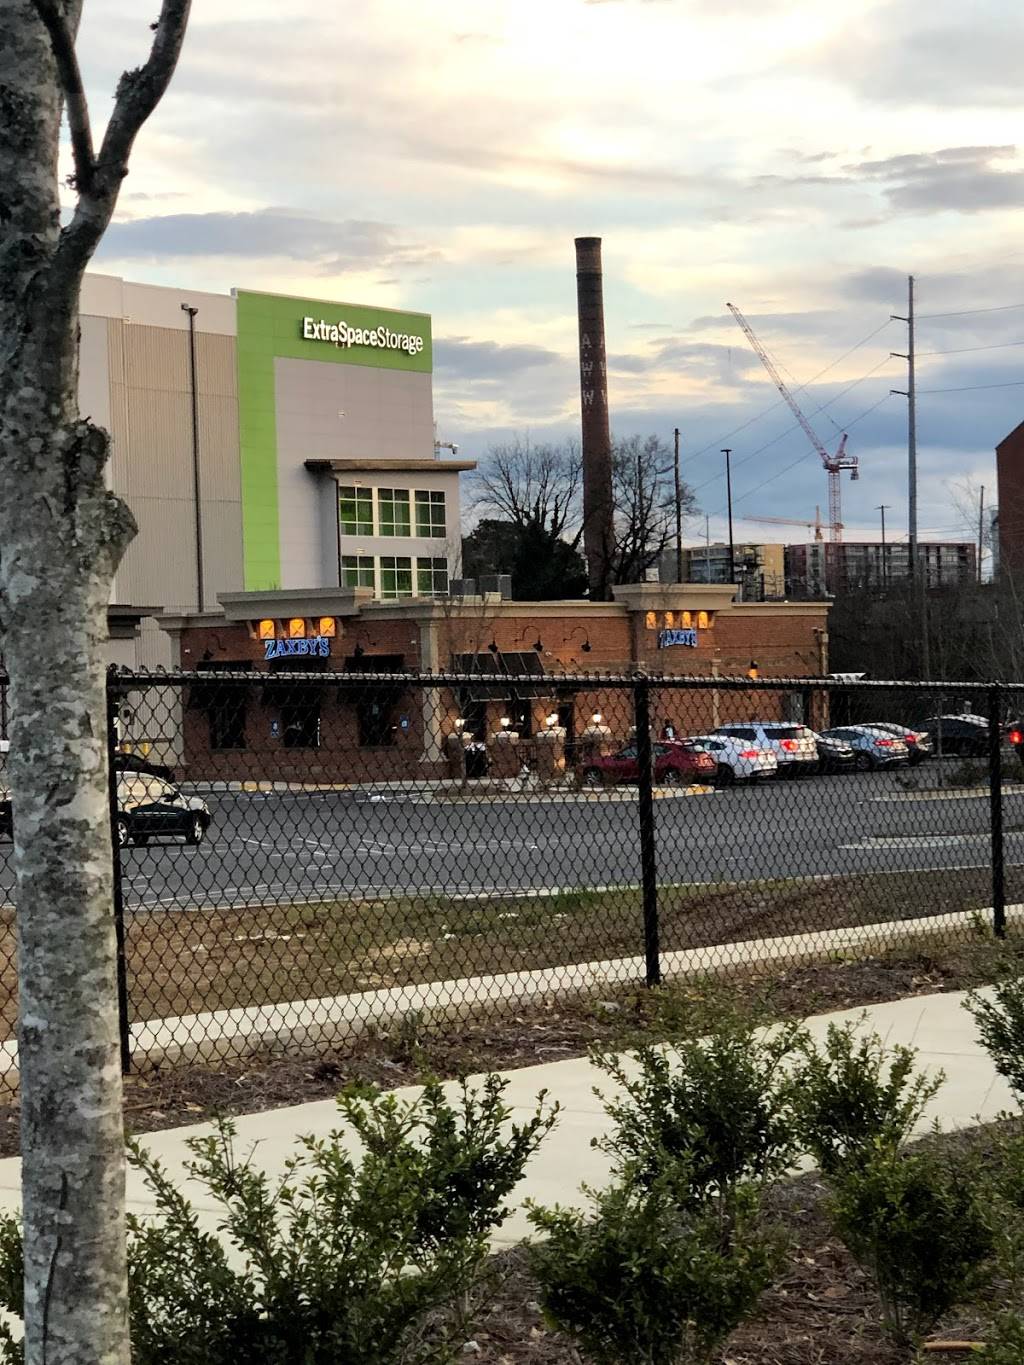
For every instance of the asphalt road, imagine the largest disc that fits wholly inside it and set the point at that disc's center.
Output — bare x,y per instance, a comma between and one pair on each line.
280,848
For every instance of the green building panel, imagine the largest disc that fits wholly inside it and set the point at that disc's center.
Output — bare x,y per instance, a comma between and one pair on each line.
272,325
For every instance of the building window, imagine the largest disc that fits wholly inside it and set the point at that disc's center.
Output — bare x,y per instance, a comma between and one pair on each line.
300,722
393,511
395,576
373,718
430,522
355,511
225,703
431,577
357,571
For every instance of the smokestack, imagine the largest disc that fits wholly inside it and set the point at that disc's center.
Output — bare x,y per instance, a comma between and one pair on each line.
598,534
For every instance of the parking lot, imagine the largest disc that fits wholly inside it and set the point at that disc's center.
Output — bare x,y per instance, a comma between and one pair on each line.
291,847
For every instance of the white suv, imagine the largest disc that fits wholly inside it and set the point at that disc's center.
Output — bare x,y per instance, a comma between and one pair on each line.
793,745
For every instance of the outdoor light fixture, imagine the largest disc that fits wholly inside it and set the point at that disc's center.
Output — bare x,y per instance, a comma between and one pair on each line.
460,724
505,722
552,720
297,628
586,646
596,718
358,652
538,645
493,646
753,671
267,630
327,626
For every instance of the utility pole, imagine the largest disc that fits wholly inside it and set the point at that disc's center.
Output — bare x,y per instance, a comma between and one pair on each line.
679,513
883,507
981,528
707,547
728,496
918,575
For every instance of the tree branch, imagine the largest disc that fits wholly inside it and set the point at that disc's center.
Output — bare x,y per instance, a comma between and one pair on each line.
138,94
62,41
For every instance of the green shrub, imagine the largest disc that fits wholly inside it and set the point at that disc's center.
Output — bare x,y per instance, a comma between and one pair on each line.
1000,1023
643,1281
856,1096
718,1110
915,1224
1004,1341
355,1260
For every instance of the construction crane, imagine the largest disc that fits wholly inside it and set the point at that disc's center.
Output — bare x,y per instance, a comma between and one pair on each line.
814,525
834,464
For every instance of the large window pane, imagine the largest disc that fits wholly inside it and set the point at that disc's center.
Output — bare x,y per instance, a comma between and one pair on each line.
393,511
357,571
355,511
430,522
431,577
395,576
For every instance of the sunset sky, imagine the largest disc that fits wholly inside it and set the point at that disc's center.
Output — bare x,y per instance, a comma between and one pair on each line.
797,159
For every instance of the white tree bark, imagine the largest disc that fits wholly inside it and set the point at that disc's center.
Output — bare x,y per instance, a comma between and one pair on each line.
62,535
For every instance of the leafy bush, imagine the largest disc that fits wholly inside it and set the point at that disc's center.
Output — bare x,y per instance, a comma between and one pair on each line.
1004,1341
643,1281
856,1096
719,1109
1000,1023
359,1261
915,1224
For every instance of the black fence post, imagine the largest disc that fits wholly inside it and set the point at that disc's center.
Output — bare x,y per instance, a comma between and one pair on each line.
124,1027
995,798
648,860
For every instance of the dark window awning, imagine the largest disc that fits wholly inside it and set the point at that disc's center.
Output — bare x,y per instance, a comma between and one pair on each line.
510,667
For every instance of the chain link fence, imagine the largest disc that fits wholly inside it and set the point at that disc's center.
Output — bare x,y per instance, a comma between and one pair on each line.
298,855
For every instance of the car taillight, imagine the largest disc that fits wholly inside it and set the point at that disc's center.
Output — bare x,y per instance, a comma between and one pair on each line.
750,753
883,743
790,745
1015,737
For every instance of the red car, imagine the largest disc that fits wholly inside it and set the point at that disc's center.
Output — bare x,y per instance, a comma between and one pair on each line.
676,764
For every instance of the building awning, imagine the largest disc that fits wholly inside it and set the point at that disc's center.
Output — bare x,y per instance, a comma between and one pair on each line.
399,466
511,668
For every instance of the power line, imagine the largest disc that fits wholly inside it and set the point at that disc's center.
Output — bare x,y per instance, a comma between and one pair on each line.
973,388
970,312
962,350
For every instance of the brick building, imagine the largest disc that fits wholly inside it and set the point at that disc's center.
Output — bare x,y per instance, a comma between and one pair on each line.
1010,499
346,729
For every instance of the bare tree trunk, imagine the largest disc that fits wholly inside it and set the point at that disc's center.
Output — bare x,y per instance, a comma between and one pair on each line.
62,535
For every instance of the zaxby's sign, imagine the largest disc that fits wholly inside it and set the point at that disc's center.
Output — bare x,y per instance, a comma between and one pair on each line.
668,638
317,647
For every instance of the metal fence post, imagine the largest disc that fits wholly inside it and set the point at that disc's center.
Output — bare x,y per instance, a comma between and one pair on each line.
995,796
124,1027
648,860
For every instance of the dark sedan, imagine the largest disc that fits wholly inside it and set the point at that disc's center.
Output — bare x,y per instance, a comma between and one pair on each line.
964,735
918,742
148,808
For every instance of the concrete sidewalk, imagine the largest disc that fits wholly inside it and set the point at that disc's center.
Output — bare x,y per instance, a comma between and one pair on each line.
937,1025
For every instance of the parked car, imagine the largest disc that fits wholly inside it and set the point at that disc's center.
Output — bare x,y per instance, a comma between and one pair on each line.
677,763
792,744
871,748
834,755
918,742
148,808
965,735
737,760
135,763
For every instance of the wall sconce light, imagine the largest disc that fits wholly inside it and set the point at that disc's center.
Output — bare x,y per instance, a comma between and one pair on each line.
753,672
538,645
505,722
552,720
267,630
358,652
586,646
493,647
297,628
596,718
460,724
327,626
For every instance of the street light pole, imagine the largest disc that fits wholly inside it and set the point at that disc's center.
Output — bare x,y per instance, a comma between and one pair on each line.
883,507
679,513
728,496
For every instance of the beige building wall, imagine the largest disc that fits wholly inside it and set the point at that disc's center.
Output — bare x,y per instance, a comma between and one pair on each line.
135,380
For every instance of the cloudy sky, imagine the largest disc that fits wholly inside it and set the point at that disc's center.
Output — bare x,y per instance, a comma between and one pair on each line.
795,157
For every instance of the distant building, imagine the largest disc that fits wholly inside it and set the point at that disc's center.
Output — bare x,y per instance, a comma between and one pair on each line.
759,569
825,567
1010,499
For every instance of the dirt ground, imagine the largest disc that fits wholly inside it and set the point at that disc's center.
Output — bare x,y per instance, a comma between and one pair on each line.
544,1031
